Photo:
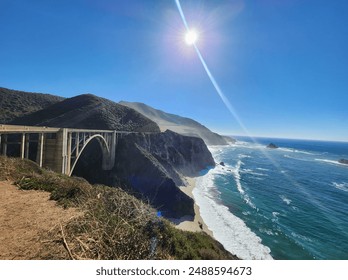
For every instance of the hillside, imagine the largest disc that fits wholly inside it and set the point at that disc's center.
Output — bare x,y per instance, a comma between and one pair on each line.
182,125
90,112
110,224
14,103
149,165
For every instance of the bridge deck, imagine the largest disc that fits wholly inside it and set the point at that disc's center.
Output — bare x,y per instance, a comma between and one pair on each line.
26,129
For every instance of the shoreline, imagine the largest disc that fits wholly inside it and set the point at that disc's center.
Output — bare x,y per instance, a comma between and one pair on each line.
186,223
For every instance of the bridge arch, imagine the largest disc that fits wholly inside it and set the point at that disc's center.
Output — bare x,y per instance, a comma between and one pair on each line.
59,149
103,145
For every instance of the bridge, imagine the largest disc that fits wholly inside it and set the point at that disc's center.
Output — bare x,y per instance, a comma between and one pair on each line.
58,149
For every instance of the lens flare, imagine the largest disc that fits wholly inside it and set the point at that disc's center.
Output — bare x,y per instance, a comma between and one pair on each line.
191,37
210,75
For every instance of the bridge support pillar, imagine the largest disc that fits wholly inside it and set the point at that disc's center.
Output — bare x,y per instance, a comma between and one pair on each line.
22,145
40,149
4,145
27,146
109,158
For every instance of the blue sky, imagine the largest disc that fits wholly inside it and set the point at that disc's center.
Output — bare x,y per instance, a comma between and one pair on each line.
282,64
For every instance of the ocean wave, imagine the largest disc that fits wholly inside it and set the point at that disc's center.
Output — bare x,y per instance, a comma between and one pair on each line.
251,172
302,159
300,236
243,156
290,150
228,229
262,169
267,231
330,161
275,218
295,208
236,171
285,199
222,170
341,186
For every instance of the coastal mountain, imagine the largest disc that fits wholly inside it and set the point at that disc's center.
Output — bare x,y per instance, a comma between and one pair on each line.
90,112
182,125
14,103
149,164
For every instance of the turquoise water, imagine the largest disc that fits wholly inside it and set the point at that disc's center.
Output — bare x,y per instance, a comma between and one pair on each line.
286,203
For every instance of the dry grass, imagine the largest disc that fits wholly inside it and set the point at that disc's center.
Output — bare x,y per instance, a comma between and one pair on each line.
115,225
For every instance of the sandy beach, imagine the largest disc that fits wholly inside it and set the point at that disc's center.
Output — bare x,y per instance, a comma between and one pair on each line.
186,223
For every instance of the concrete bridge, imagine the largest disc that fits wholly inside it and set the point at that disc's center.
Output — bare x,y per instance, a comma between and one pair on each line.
58,149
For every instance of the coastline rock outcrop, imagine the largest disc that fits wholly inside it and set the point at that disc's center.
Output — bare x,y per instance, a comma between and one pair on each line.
343,161
272,146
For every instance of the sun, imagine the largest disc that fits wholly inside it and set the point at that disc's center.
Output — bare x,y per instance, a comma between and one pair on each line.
191,37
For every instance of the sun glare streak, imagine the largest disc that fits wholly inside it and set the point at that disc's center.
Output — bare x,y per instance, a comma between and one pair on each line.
210,75
235,115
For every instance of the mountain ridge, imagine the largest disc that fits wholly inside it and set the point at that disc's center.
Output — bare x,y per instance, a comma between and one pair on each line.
90,112
179,124
15,103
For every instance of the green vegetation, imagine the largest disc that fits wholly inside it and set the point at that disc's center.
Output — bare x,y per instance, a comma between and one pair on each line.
14,103
113,224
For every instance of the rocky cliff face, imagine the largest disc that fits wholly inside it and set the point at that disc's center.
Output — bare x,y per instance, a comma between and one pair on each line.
152,165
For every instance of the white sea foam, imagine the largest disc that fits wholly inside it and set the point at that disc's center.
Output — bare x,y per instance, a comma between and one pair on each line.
250,171
330,161
341,186
243,156
285,199
228,229
295,151
275,217
262,169
267,231
300,236
236,171
296,158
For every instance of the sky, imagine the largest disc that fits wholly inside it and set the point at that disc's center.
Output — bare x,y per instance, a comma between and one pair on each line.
283,65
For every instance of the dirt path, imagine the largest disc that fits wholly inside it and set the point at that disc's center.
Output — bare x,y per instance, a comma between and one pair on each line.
25,216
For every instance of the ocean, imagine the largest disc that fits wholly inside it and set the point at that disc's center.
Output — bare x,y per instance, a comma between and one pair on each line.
286,203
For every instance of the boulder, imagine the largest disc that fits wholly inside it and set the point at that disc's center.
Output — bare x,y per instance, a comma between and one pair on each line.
272,146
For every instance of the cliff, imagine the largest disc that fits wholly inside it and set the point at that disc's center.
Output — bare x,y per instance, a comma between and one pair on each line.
182,125
153,164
